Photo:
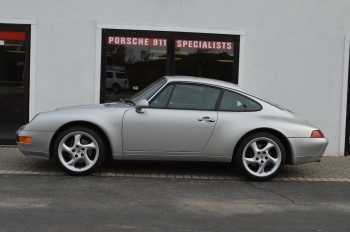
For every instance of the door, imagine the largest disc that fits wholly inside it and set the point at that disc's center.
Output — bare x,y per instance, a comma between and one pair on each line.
180,119
14,80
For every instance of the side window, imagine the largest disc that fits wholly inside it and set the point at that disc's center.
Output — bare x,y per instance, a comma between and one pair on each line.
161,100
121,75
232,101
196,97
109,75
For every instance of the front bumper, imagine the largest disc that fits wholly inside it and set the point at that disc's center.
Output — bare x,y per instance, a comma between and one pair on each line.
39,148
306,150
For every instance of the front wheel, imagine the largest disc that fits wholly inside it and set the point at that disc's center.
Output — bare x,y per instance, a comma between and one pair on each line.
260,156
79,150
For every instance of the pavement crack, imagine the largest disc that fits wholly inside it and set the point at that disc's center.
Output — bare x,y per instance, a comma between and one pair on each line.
267,190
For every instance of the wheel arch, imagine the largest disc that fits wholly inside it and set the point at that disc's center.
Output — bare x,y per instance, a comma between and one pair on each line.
84,124
287,146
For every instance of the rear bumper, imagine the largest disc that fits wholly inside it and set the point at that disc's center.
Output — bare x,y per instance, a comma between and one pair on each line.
39,148
306,150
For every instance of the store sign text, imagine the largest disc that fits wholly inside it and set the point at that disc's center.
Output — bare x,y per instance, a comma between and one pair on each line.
136,41
202,44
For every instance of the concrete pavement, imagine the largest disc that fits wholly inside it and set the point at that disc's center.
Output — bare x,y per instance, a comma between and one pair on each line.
12,161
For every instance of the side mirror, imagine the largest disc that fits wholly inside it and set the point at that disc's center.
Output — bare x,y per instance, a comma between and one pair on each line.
140,105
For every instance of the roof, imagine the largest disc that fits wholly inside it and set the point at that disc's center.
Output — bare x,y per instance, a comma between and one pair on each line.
204,81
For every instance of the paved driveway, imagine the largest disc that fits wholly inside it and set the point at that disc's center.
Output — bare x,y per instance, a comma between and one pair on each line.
12,161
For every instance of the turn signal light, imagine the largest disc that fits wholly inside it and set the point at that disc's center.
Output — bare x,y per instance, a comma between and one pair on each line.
317,134
25,139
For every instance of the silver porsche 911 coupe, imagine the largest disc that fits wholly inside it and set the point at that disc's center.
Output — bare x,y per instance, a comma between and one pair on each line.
176,119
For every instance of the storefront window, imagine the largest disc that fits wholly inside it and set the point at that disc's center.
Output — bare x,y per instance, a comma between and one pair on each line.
132,59
203,58
132,64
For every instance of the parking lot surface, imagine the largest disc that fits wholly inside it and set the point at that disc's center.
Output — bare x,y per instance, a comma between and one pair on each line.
12,161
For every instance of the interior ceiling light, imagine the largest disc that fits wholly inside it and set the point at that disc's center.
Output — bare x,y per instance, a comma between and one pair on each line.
13,45
225,61
158,51
15,51
181,53
2,42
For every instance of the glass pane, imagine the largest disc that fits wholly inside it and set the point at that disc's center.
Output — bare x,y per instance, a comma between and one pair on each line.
149,91
137,62
202,58
162,99
235,102
12,62
195,97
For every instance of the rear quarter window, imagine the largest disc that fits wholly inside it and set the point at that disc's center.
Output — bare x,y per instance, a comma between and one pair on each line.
232,101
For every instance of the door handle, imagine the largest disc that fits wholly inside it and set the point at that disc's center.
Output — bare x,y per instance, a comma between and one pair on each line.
206,119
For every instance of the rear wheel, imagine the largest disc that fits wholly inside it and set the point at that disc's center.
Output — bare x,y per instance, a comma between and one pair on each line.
116,88
79,150
260,156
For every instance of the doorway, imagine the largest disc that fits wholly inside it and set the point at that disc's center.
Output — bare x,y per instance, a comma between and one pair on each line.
14,80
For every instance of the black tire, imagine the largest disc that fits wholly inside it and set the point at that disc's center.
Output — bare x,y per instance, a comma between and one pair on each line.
116,88
84,158
262,164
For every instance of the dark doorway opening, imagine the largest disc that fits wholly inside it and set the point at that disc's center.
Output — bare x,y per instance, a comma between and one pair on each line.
14,80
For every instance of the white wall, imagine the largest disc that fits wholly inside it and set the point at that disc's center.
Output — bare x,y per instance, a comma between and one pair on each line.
293,56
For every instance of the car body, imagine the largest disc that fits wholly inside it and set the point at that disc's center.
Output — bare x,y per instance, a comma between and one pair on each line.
116,80
176,118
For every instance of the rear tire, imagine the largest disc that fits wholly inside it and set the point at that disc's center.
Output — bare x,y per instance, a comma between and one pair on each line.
79,151
116,88
260,156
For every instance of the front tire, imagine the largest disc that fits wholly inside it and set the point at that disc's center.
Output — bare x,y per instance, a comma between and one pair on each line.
260,156
79,151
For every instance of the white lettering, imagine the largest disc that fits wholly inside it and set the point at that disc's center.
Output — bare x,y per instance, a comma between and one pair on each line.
204,45
178,43
229,45
190,44
195,44
146,41
224,45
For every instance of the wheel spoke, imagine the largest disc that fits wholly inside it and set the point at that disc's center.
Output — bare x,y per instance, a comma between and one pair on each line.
254,147
77,138
268,147
272,160
250,160
89,146
72,162
87,160
67,149
261,168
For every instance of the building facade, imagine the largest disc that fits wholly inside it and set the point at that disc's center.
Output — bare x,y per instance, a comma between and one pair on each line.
62,53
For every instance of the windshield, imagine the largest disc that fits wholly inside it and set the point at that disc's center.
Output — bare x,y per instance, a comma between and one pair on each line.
148,92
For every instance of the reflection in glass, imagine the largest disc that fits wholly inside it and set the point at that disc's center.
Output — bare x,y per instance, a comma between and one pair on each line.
211,59
140,65
12,106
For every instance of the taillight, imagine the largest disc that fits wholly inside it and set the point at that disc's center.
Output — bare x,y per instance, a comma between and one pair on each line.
317,134
126,81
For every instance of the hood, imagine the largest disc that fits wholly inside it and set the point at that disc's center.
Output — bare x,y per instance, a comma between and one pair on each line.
105,106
